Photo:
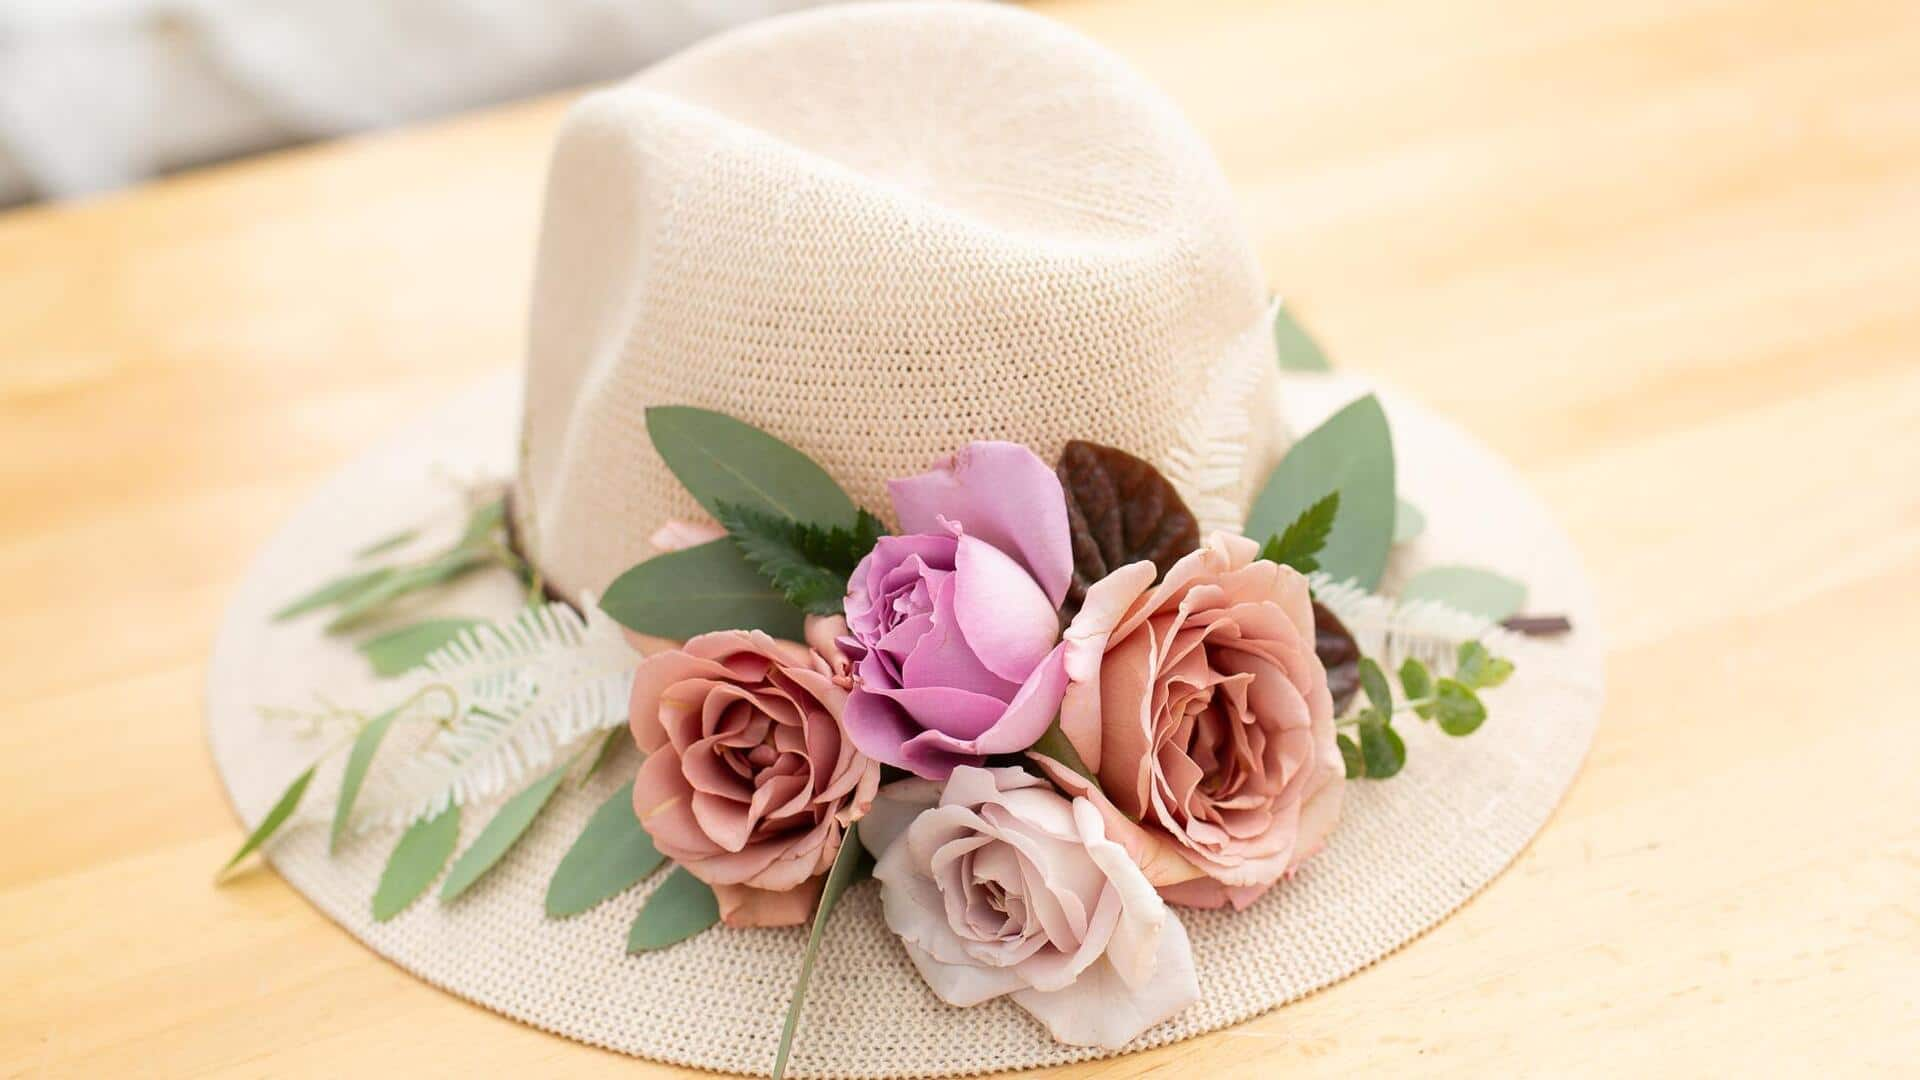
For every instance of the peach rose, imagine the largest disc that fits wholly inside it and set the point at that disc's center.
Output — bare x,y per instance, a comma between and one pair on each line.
1200,706
749,781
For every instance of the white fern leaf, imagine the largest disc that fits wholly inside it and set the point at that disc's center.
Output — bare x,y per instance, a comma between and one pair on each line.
1390,631
1207,464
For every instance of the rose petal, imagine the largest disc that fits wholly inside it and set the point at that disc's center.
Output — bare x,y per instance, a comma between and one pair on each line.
1101,1009
894,808
1002,493
741,905
1005,618
680,535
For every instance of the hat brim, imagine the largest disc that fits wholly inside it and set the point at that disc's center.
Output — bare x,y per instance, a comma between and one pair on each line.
1405,855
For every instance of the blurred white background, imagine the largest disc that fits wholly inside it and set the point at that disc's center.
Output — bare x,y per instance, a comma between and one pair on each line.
96,94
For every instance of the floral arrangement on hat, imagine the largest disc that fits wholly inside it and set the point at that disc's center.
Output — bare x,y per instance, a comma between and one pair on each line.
1038,706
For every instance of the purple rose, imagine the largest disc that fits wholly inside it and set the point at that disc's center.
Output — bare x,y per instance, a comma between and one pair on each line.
954,626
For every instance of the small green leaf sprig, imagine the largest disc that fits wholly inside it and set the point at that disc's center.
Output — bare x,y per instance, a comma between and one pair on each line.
1375,750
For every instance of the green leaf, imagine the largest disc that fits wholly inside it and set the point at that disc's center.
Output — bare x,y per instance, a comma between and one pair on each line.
612,855
415,862
1381,750
336,591
1298,351
681,907
808,563
399,583
1374,682
721,460
1467,588
276,817
482,520
500,833
601,756
361,756
1350,755
1479,669
1408,521
1457,708
838,878
708,587
1415,679
386,544
1054,744
405,648
1305,537
1351,453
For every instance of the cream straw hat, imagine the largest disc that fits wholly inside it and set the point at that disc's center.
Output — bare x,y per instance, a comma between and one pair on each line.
878,232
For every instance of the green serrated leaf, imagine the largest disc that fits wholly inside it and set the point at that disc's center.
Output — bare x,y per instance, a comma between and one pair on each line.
398,583
338,590
1408,521
612,855
1467,588
1350,756
416,860
722,460
808,563
401,650
1054,744
708,587
500,833
276,817
838,878
358,759
1298,351
681,907
1374,682
1352,453
1457,708
1305,537
1381,750
1415,679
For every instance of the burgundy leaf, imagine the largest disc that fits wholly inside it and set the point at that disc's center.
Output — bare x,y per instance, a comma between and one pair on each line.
1120,510
1339,653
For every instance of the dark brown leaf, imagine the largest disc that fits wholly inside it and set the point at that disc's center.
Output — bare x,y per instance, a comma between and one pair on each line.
1338,653
1538,625
1120,510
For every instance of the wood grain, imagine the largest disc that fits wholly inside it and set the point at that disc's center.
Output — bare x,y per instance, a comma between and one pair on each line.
1663,255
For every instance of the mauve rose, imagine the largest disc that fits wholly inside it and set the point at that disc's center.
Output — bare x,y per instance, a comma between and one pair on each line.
953,626
748,781
998,885
1200,706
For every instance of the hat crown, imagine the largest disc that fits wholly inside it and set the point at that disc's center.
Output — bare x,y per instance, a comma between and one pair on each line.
879,232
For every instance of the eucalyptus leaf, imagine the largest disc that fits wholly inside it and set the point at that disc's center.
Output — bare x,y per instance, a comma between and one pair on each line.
358,759
276,817
500,833
1381,750
1415,679
1408,521
1479,669
612,855
1351,758
402,649
1053,743
1457,708
415,862
1298,351
711,586
722,460
681,907
1351,453
1467,588
339,590
838,878
614,737
1373,682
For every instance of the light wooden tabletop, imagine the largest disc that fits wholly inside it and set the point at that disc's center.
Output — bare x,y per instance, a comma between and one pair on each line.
1663,254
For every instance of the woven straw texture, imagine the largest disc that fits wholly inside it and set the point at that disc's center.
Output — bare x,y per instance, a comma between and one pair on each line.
1407,852
879,232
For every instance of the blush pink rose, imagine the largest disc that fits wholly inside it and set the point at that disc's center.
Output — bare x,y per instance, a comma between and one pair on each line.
749,781
1200,706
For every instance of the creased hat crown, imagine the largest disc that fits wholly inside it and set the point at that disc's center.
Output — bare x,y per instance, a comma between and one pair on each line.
878,232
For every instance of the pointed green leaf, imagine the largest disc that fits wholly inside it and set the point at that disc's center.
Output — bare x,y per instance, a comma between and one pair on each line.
1467,588
415,862
1408,521
1458,708
681,907
1298,351
401,650
1374,682
721,460
398,583
611,856
276,817
386,544
708,587
358,759
613,738
500,833
1306,537
1351,453
838,878
339,590
1415,679
1381,750
1053,743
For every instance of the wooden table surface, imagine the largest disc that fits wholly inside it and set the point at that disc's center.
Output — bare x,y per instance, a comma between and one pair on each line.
1664,254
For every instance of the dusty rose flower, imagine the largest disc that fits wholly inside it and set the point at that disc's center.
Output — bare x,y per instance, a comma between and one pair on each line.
954,626
1202,709
748,782
998,885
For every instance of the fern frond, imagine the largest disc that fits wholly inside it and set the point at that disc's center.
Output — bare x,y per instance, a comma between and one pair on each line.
1207,463
1390,631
